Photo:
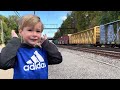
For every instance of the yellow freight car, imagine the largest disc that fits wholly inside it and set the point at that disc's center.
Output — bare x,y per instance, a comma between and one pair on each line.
89,36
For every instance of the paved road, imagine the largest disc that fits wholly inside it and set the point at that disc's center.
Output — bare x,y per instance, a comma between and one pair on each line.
6,74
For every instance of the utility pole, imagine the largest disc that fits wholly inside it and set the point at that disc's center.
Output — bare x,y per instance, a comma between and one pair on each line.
34,12
2,34
74,23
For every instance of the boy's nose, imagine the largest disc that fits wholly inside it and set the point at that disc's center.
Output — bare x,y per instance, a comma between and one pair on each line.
34,33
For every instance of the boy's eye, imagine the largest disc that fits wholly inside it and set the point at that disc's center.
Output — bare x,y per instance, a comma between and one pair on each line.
38,31
29,30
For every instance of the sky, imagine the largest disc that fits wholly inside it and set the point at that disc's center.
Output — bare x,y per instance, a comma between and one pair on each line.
50,19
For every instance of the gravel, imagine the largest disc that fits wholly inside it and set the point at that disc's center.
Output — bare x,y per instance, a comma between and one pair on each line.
83,65
79,65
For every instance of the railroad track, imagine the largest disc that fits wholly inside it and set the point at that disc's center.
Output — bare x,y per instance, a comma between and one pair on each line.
107,53
110,53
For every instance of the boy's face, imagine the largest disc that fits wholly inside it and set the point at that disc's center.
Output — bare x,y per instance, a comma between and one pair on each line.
31,35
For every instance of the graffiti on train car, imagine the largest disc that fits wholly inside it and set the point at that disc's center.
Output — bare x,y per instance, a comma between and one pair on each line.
110,33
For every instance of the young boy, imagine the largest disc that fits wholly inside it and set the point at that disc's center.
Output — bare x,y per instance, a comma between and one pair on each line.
30,55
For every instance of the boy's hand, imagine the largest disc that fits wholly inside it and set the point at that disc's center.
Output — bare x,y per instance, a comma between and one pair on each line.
13,34
42,40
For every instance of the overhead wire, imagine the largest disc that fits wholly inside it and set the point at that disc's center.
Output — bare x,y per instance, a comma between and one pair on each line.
17,14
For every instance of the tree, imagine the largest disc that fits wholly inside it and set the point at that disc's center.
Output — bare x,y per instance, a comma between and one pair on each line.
8,24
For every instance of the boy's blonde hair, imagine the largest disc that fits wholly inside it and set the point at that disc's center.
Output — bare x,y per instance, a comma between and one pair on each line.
29,20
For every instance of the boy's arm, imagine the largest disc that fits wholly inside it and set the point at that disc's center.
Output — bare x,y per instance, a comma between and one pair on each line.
54,56
8,53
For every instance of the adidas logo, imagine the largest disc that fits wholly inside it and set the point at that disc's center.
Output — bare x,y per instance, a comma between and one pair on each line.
36,62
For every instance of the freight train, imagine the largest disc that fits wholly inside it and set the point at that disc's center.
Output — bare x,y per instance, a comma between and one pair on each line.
106,34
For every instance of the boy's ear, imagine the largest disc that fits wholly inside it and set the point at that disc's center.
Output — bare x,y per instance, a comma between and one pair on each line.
20,32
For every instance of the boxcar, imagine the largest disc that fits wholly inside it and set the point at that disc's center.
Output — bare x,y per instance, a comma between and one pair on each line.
64,39
110,33
89,36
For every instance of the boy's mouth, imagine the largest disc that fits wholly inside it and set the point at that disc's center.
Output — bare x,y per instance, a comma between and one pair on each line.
33,40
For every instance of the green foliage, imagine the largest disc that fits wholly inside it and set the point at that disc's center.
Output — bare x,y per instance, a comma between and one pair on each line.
82,20
8,24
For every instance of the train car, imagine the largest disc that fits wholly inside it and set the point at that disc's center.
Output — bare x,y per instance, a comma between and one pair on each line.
55,41
89,36
106,34
64,39
110,34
